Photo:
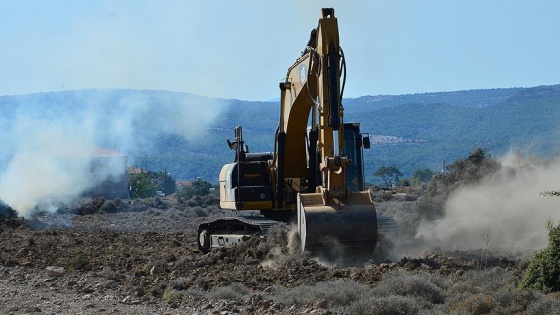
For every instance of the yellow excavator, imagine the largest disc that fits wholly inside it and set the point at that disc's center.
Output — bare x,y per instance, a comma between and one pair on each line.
315,176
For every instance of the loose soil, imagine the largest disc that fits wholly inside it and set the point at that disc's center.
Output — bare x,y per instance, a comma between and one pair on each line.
144,260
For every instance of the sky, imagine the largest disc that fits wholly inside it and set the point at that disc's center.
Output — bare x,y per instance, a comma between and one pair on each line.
242,49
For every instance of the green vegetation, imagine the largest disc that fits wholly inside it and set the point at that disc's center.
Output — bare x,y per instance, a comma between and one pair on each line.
422,176
389,174
79,262
170,295
433,127
461,172
146,184
198,188
489,291
543,272
141,186
197,197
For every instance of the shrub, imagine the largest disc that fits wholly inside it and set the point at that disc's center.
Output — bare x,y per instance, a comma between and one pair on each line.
196,293
95,205
171,295
198,212
382,195
491,291
340,292
388,305
160,203
461,172
544,269
513,301
337,292
393,305
79,262
175,290
142,185
235,291
112,206
476,304
546,305
486,280
197,188
6,212
425,287
179,284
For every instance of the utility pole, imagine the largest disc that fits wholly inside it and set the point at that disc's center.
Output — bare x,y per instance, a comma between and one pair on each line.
165,181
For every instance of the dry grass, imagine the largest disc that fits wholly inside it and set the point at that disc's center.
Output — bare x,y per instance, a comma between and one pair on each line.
492,291
338,293
235,291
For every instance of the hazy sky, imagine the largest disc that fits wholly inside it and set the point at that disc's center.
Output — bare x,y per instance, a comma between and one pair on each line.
242,49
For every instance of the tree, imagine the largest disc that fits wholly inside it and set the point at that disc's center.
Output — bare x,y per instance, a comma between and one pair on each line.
405,182
389,174
422,176
543,272
477,156
197,188
147,183
167,185
462,172
141,185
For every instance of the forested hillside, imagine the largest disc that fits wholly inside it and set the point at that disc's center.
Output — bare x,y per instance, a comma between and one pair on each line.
185,134
527,121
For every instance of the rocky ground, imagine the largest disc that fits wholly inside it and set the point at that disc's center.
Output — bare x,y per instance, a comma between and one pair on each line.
144,260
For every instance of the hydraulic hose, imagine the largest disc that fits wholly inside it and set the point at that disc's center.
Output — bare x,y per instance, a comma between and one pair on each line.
343,66
332,78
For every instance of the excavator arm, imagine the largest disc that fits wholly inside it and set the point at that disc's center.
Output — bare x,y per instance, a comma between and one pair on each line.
330,215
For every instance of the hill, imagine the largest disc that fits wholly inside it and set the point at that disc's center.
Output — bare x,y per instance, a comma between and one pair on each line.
527,120
185,133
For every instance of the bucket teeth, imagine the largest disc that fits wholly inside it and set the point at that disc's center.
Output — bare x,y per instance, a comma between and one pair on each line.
337,229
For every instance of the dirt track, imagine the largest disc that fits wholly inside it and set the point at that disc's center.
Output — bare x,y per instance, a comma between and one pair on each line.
147,262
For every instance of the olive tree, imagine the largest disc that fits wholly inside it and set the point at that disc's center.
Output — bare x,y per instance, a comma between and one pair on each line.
390,175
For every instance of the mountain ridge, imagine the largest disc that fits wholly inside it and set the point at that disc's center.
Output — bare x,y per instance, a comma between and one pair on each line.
185,133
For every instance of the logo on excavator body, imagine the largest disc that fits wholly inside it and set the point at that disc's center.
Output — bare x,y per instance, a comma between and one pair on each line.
302,74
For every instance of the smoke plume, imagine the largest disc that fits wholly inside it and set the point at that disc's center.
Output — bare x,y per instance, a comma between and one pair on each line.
50,139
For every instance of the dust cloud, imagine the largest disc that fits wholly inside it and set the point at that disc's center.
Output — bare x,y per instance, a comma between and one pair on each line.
283,246
506,211
50,140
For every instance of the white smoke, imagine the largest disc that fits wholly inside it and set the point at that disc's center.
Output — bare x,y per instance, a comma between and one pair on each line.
50,149
505,211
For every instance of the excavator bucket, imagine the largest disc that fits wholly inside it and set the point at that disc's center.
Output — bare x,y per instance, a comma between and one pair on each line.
338,230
